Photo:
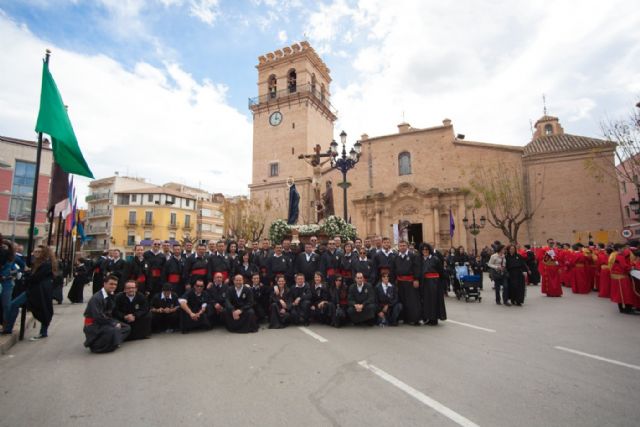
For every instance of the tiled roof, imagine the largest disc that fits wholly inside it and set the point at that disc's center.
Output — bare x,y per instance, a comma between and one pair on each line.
564,143
546,118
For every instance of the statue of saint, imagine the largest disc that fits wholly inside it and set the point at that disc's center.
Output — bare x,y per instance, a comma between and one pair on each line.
327,201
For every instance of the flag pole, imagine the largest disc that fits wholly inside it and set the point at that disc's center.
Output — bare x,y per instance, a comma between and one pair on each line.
32,220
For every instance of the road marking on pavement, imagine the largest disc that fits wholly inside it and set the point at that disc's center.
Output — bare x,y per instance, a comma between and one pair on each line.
469,325
593,356
313,334
421,397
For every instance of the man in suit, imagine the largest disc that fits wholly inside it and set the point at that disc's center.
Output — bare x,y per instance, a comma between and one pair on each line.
307,263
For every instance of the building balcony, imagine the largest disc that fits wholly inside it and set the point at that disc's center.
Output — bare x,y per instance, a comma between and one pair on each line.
187,227
97,229
174,225
293,93
93,197
148,224
94,245
98,213
130,224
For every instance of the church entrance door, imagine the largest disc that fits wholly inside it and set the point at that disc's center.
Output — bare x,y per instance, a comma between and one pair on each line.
415,234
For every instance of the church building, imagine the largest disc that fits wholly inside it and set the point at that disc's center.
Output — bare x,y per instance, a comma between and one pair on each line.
419,177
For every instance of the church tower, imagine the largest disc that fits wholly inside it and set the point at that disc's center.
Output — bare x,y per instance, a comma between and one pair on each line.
291,115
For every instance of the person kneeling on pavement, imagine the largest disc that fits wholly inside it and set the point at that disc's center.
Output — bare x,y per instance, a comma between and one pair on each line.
196,311
164,310
322,309
132,308
389,308
362,304
103,333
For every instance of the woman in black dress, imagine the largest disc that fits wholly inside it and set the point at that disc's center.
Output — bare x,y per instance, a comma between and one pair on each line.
80,278
516,268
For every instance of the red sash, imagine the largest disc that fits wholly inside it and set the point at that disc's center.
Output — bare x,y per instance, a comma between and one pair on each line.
199,272
406,278
141,278
346,274
88,321
431,275
331,272
173,278
155,272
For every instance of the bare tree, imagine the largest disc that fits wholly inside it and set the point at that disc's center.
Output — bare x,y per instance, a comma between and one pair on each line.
624,166
500,187
247,218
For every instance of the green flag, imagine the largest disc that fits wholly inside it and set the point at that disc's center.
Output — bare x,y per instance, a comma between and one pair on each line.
54,121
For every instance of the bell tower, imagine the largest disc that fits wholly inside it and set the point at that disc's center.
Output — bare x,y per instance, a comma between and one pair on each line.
291,114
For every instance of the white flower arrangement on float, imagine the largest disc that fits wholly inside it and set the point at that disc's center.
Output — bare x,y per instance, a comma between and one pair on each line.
278,230
336,226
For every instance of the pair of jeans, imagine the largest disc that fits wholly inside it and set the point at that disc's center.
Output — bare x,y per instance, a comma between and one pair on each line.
16,303
5,300
502,281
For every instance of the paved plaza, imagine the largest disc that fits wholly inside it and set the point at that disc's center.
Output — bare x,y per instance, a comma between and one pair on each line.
570,361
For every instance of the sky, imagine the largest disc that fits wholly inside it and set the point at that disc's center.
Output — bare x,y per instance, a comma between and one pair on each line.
159,88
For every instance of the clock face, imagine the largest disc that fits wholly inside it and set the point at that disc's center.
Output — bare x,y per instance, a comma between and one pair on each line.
275,118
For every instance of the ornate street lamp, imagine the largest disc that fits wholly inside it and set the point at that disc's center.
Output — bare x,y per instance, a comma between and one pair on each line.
474,228
344,163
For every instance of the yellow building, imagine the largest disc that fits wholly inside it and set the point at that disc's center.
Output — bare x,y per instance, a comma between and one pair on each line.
141,215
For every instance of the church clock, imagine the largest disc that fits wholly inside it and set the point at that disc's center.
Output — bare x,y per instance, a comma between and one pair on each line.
275,118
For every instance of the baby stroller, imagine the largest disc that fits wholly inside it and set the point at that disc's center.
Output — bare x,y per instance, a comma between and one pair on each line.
470,286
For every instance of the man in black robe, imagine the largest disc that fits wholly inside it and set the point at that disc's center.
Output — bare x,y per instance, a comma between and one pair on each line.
277,264
218,298
307,263
240,317
138,270
196,267
164,310
383,259
405,269
300,301
362,264
196,311
133,308
388,307
118,267
156,260
362,302
431,286
103,333
330,262
322,309
173,270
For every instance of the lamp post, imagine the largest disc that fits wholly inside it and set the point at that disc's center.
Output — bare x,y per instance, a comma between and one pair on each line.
344,163
474,228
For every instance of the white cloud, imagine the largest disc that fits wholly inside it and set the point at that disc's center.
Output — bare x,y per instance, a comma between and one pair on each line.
205,10
282,36
154,122
484,66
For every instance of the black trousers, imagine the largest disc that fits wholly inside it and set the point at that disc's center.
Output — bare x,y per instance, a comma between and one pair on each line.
160,322
140,328
392,315
366,315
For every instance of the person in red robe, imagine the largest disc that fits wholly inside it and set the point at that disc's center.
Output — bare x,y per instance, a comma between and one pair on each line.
540,253
551,269
565,259
579,263
590,254
621,285
604,281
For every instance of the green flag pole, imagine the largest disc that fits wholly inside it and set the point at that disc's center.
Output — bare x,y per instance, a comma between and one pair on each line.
32,220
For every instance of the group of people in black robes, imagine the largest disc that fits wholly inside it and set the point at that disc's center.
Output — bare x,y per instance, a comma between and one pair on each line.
237,287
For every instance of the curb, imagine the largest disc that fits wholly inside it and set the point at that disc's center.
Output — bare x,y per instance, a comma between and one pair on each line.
8,341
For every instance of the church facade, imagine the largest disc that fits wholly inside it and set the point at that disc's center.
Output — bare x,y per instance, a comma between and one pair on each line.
419,178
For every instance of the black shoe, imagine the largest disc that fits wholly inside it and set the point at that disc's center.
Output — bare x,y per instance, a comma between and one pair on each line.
498,302
507,304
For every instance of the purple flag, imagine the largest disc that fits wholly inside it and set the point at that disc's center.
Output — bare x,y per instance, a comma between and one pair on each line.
452,224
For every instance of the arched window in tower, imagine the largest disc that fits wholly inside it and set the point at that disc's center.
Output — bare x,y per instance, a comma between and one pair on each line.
404,163
548,129
322,92
313,83
273,86
291,81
